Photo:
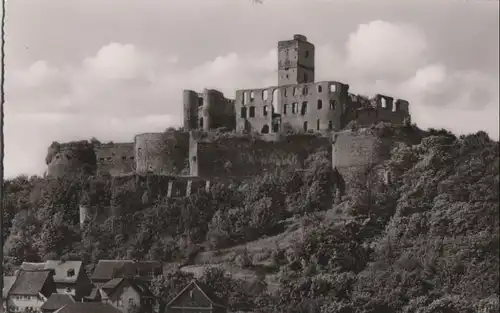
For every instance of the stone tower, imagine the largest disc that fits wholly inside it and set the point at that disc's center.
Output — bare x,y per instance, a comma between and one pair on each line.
295,61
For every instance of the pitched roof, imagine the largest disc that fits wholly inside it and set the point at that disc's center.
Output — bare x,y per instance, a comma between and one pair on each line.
142,289
211,296
94,295
8,281
109,269
30,282
62,269
57,301
86,307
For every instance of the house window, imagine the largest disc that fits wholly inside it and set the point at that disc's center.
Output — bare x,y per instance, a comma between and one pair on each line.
264,110
191,294
330,125
243,112
304,90
305,126
320,89
71,271
320,104
252,111
317,125
294,108
285,107
307,53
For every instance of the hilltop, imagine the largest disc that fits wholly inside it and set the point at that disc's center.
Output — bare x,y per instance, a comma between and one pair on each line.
426,240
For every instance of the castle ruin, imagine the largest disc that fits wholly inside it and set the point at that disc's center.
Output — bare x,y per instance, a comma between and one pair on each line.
265,128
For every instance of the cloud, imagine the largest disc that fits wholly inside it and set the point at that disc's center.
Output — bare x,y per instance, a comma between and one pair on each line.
383,49
122,89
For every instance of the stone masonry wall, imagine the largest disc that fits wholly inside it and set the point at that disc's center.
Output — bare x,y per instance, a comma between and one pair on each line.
115,158
243,155
162,153
70,158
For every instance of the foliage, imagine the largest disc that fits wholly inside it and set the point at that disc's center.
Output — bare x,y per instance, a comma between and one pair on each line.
427,243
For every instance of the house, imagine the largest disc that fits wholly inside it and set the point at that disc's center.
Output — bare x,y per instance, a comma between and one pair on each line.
56,301
88,307
8,281
106,270
70,276
126,294
196,297
30,290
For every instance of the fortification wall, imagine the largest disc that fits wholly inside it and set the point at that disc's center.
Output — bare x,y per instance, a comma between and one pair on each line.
381,108
304,107
160,186
162,153
357,156
70,158
208,110
239,155
361,155
115,158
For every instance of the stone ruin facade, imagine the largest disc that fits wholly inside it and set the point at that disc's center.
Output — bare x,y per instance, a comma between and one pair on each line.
296,104
261,129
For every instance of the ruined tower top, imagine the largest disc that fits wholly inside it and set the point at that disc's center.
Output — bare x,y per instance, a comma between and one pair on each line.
295,61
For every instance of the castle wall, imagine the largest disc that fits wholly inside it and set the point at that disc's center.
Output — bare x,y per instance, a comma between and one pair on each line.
162,153
357,156
115,158
207,110
381,109
71,158
239,155
304,107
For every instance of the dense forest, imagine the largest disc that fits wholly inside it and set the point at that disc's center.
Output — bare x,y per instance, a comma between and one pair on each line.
427,243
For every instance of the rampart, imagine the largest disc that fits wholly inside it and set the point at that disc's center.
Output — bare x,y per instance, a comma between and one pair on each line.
207,110
162,153
115,158
70,158
244,155
359,156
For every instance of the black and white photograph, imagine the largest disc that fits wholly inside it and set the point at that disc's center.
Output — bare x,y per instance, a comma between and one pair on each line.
250,156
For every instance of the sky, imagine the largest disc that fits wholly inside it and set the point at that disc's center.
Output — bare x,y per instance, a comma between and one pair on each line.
113,68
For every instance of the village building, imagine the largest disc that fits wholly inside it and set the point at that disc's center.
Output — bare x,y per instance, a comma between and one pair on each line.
30,290
88,307
125,294
56,301
70,276
106,270
196,297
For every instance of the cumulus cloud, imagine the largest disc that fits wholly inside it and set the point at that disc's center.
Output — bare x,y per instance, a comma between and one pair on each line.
123,90
383,49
